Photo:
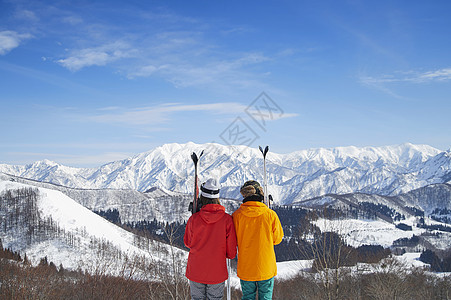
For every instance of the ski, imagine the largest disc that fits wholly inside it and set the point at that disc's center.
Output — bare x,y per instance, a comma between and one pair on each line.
265,191
193,205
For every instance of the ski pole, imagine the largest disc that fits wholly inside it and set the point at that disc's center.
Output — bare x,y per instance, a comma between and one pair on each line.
229,269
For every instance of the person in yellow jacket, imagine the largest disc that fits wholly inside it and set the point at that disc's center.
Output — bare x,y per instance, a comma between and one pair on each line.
258,229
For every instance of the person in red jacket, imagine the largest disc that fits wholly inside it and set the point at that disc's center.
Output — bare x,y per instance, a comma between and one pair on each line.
210,236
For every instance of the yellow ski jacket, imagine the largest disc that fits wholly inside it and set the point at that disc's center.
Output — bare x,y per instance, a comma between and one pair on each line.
258,229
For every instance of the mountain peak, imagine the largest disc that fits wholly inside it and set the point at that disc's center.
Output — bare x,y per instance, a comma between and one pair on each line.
44,163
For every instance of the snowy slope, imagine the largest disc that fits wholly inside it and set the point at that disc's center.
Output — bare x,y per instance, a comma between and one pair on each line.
367,232
290,269
87,240
132,205
300,175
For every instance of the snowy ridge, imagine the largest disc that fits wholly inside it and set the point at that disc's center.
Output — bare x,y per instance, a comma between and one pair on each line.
132,205
427,199
301,175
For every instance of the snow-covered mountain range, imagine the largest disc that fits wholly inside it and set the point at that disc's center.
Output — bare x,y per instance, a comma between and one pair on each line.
297,176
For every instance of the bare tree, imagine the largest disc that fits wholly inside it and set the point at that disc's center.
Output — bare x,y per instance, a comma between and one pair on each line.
174,280
389,280
328,251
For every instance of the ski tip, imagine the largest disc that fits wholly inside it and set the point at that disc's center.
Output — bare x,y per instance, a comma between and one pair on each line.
194,157
264,151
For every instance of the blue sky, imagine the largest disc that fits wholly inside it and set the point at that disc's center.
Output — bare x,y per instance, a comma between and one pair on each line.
88,82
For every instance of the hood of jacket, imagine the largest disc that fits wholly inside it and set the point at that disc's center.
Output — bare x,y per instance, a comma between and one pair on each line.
253,208
212,213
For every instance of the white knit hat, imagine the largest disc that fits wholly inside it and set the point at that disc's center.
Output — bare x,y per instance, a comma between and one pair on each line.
210,189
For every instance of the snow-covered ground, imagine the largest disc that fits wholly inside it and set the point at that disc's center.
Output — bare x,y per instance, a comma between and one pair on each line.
98,242
290,269
285,271
367,232
87,231
378,232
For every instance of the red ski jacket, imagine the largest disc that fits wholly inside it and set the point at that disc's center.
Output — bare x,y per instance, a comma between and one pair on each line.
211,237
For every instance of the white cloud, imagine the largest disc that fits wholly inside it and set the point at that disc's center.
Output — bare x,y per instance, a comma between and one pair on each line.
272,117
144,71
184,72
182,51
411,76
10,40
161,114
26,15
385,83
184,58
439,75
72,20
98,56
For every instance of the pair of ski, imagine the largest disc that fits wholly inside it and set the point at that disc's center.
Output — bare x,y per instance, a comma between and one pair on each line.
194,206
